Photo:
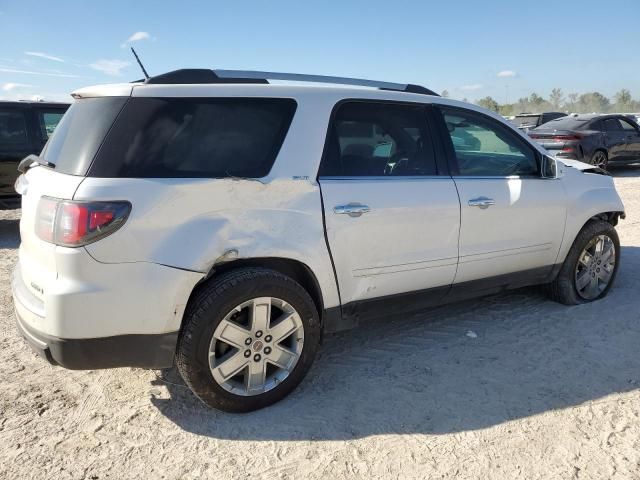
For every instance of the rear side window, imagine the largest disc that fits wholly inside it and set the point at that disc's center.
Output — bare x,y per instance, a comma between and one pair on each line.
612,125
195,138
13,129
378,139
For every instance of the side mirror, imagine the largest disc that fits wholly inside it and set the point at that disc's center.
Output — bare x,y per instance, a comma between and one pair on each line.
550,167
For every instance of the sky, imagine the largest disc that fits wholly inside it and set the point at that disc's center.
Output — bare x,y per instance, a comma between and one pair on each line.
503,48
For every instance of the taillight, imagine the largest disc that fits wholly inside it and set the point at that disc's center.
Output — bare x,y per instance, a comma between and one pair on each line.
564,138
73,224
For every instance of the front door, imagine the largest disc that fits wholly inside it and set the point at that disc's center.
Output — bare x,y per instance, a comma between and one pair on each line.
512,219
633,139
615,139
392,221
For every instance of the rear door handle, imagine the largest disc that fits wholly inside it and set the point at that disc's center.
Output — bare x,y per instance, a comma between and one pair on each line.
482,202
351,209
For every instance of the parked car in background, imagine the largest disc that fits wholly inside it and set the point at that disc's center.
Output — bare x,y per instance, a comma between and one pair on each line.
225,226
591,138
527,121
24,129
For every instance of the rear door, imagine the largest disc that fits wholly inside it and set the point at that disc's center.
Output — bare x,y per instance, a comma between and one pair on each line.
512,219
392,216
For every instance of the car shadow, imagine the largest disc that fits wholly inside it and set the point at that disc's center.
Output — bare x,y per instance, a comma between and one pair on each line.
624,170
455,368
9,233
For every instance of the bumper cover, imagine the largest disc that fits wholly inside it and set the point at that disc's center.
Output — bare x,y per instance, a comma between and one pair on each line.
143,351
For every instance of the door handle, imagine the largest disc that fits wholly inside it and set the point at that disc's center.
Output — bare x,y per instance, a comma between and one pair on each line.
351,209
482,202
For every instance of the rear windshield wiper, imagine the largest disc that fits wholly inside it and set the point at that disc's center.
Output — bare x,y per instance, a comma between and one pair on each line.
27,162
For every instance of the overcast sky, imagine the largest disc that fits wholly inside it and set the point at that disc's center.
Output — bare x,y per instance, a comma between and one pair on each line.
503,48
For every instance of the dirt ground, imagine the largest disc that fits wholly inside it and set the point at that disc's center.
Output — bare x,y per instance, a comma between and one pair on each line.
541,391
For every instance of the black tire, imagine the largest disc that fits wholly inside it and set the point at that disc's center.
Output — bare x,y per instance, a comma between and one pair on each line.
563,289
208,307
602,157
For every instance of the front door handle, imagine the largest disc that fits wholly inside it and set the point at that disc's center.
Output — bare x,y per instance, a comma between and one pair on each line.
482,202
351,209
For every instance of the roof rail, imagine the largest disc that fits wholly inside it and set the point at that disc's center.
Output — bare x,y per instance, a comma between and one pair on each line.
199,75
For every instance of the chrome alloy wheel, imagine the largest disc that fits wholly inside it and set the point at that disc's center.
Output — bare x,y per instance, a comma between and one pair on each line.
595,267
256,346
599,159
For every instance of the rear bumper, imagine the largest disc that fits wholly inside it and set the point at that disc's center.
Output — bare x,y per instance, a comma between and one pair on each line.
127,317
144,351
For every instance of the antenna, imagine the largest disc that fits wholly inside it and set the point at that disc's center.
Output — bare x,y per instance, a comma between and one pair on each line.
146,75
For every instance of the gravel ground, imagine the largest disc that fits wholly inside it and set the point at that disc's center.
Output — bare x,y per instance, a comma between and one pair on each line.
540,391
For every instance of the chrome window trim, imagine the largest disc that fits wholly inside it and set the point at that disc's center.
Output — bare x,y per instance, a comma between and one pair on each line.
389,177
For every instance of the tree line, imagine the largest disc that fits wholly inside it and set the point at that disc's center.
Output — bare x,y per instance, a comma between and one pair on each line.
592,102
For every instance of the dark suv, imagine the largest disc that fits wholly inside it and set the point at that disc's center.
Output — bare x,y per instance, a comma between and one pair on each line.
24,129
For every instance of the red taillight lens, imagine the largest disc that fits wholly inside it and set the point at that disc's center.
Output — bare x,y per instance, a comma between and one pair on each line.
73,224
564,138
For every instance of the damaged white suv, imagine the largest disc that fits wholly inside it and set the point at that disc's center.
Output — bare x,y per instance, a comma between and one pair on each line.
220,222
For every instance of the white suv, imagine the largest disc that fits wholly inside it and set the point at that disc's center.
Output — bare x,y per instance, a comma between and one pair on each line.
220,222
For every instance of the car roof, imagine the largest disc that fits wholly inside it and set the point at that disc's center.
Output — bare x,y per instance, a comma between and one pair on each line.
31,103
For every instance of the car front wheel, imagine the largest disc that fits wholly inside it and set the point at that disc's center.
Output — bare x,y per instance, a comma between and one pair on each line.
248,340
590,268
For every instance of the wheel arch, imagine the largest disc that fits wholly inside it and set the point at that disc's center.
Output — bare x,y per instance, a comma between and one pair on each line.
295,269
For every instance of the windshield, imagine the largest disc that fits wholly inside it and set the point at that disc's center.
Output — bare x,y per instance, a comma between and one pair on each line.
80,133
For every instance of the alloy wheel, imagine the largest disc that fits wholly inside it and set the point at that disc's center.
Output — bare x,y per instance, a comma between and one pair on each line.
595,267
256,346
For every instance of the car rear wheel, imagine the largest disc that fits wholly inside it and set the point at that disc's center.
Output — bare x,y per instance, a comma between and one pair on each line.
600,159
248,340
590,268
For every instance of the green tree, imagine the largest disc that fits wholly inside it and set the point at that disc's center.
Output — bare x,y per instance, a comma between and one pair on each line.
489,103
573,102
593,102
624,101
556,98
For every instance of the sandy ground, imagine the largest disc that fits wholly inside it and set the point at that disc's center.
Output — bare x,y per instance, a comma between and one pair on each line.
543,391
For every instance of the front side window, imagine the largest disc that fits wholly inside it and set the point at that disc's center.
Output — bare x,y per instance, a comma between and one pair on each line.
13,129
628,127
368,139
484,147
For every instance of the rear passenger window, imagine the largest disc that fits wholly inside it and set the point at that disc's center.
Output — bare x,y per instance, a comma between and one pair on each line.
195,138
13,129
378,139
484,147
612,125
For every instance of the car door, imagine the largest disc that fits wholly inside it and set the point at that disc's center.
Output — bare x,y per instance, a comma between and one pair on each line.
15,144
392,217
632,133
512,219
615,139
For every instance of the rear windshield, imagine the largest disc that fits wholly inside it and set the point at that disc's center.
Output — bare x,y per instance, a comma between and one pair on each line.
528,120
194,138
565,123
79,134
